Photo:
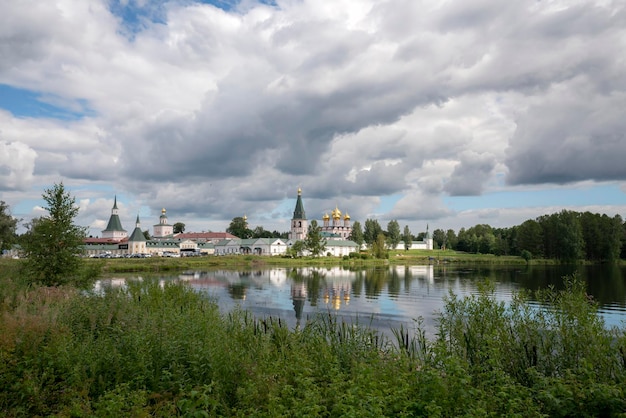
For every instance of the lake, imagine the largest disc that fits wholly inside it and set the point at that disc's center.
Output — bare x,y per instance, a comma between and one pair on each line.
390,296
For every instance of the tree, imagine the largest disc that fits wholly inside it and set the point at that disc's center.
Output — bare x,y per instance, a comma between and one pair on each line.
372,229
393,234
407,237
439,238
260,232
379,249
146,234
53,243
179,228
8,225
357,233
239,228
296,249
313,241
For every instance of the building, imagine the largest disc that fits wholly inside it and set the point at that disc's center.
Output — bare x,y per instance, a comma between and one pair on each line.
137,240
339,228
299,224
336,233
425,244
163,229
114,230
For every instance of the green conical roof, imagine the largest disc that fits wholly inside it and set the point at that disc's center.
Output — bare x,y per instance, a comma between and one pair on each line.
137,234
114,221
298,213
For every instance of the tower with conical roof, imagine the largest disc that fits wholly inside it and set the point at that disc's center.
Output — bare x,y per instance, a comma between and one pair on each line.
137,240
114,228
299,224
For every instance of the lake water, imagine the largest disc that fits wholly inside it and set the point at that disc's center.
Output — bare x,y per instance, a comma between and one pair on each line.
388,297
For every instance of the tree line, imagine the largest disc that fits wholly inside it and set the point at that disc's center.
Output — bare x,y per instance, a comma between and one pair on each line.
564,236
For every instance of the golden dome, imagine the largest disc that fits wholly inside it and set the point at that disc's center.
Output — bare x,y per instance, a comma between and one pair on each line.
326,217
163,211
347,217
299,191
336,213
245,218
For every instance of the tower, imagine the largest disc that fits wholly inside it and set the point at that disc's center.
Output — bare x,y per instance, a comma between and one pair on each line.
163,229
299,224
114,228
137,240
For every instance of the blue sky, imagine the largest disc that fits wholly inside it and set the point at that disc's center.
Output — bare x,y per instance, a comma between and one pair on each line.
438,114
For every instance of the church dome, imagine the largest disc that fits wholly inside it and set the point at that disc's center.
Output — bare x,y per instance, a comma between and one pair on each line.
326,217
346,217
336,213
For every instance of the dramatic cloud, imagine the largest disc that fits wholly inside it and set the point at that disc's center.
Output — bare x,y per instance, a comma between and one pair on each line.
391,109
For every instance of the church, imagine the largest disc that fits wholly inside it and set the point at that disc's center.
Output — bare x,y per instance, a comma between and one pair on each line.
336,233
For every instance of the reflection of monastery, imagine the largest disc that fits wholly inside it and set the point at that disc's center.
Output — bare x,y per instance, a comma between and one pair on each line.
313,289
115,242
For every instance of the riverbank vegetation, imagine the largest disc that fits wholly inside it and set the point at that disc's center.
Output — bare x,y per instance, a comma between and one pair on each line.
164,350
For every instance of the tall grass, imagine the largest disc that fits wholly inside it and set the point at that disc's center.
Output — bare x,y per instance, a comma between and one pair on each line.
163,350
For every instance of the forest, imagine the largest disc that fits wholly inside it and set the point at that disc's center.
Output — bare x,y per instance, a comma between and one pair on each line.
564,236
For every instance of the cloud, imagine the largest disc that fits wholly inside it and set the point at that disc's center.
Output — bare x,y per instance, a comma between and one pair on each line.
470,174
215,112
572,135
17,162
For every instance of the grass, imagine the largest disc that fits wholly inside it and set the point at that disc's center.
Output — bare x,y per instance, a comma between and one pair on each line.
164,350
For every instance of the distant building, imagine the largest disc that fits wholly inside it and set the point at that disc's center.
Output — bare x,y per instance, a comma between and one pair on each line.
336,233
339,228
299,224
114,228
137,240
163,229
425,244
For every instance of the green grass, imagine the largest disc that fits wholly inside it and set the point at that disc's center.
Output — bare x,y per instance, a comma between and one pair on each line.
152,350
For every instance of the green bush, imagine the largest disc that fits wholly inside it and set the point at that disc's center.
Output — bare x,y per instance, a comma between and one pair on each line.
149,349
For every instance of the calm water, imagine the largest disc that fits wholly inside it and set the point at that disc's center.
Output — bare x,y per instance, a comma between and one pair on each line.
391,296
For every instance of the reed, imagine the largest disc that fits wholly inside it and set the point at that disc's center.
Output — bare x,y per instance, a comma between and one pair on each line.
148,349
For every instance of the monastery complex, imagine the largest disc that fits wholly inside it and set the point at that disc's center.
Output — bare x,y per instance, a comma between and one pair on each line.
115,241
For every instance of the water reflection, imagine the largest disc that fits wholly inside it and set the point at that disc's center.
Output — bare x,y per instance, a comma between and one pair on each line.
387,297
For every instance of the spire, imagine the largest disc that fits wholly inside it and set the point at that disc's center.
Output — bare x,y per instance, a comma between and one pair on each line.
137,234
298,213
114,224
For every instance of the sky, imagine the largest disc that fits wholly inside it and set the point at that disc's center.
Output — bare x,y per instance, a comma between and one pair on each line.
439,114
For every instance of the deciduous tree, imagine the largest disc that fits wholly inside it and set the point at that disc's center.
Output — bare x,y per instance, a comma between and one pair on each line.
314,242
239,228
357,233
8,225
407,237
393,234
179,228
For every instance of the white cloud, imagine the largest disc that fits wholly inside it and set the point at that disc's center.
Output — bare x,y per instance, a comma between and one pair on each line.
214,113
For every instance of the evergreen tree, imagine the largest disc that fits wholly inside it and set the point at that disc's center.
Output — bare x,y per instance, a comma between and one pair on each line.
54,243
179,228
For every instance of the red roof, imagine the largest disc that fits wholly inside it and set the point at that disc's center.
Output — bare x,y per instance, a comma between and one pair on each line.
92,240
204,235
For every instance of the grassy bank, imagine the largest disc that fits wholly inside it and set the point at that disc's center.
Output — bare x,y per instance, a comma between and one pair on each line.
413,257
148,350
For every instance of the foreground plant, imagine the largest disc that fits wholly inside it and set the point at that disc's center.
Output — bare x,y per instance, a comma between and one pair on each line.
149,349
